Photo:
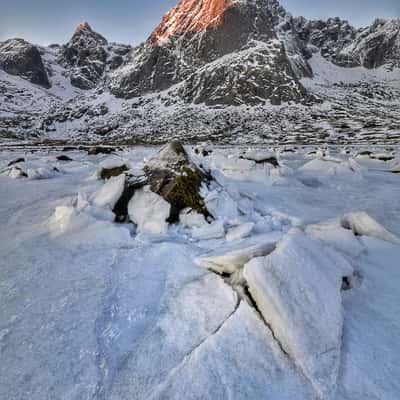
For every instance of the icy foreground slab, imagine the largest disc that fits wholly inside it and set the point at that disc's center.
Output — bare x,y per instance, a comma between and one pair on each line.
297,290
240,361
229,259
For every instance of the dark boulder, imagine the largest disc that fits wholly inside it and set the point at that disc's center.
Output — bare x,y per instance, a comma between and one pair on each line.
64,157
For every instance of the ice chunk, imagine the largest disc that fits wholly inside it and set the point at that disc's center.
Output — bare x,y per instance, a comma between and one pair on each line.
110,192
240,231
230,259
362,224
221,205
333,167
149,211
74,229
215,230
332,233
190,218
297,290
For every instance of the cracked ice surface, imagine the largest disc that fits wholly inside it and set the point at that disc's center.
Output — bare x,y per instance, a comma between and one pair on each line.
90,310
297,290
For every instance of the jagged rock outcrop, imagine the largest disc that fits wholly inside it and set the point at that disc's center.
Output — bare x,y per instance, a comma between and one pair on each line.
221,51
18,57
344,45
90,55
85,52
377,45
329,37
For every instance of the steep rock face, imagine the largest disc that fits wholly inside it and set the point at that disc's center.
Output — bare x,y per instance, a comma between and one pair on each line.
377,45
342,44
191,46
191,16
86,54
329,37
18,57
89,56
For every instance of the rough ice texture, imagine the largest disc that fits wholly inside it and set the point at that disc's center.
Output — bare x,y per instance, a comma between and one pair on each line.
149,211
297,290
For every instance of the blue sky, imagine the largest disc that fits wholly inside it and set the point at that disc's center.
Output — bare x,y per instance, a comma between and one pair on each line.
131,21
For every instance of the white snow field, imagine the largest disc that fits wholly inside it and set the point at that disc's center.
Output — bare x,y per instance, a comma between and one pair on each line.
290,290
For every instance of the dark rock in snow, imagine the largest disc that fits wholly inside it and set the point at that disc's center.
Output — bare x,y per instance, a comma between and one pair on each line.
382,157
132,183
64,157
107,173
69,148
100,150
17,161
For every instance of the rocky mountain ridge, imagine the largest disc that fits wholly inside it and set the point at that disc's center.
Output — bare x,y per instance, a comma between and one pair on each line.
212,54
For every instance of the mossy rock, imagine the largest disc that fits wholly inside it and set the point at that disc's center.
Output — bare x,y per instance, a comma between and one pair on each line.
174,177
177,148
184,192
107,173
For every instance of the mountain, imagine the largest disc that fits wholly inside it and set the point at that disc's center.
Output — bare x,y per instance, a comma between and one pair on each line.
340,43
88,54
18,57
221,70
222,51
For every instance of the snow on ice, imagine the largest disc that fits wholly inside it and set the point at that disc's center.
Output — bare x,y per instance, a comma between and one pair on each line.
287,290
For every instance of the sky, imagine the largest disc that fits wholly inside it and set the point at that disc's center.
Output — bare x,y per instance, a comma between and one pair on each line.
131,21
